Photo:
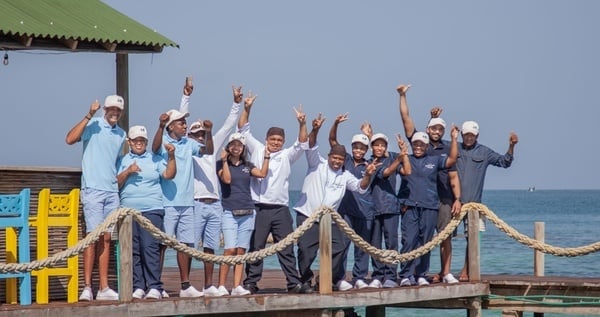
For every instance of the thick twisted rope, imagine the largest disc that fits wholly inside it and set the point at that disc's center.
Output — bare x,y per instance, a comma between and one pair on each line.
385,256
530,242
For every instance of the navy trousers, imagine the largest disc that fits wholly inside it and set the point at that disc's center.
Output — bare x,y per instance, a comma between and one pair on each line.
146,253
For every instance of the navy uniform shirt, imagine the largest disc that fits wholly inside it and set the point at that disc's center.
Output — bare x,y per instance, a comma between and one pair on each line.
419,189
355,204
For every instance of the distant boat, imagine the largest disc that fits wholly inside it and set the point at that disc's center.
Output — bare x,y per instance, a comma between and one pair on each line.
531,188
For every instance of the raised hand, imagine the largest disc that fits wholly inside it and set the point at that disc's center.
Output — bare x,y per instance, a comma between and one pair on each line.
454,132
188,88
207,124
300,115
170,148
402,89
224,154
341,118
436,111
402,145
237,93
318,121
513,139
366,129
163,119
94,107
372,168
249,100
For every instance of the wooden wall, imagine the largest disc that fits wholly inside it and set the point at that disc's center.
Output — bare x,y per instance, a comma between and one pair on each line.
60,180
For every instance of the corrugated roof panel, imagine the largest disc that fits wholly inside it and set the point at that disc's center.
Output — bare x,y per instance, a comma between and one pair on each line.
83,20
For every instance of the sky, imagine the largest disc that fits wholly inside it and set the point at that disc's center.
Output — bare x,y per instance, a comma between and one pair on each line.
525,66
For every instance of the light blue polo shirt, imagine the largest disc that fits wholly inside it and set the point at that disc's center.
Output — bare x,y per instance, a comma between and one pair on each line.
142,190
179,191
102,144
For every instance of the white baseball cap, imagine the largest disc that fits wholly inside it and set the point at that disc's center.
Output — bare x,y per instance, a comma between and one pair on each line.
237,136
360,138
197,126
379,136
436,121
420,136
175,115
114,101
137,131
470,127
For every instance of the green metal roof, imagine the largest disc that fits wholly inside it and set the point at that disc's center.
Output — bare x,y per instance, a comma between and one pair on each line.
88,25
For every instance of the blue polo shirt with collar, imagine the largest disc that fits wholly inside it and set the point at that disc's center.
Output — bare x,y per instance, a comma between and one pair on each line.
355,204
142,190
102,144
179,191
419,189
383,189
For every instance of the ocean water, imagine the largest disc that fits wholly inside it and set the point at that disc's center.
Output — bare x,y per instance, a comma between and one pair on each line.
571,219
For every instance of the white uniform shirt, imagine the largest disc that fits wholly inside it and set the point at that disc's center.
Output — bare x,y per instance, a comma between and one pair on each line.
272,189
324,186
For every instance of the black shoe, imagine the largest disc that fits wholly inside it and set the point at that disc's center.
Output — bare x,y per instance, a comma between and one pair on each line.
295,289
306,288
252,288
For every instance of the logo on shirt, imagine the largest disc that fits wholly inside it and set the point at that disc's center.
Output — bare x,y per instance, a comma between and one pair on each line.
246,170
430,166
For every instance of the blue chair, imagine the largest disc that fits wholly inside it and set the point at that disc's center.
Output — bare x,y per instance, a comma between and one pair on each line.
14,217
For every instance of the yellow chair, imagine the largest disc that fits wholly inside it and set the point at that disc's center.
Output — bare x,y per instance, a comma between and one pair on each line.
56,210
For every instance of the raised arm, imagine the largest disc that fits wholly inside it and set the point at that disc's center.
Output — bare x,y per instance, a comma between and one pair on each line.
316,126
333,131
248,102
188,88
171,169
366,129
208,147
365,181
512,141
158,136
301,117
406,168
407,121
453,155
74,135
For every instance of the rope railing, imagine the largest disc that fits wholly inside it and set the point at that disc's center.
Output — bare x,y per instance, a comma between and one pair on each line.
385,256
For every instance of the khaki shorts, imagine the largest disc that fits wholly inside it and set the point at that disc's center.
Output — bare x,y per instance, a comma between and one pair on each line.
445,216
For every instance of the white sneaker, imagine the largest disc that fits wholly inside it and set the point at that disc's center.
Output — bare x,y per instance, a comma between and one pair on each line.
405,282
240,290
390,284
107,294
138,293
164,294
212,291
190,292
222,291
375,284
86,294
449,279
422,281
343,286
360,284
153,294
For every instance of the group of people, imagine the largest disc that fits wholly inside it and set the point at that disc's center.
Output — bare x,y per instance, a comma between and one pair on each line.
196,185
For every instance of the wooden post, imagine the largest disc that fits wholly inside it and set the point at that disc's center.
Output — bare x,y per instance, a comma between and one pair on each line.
473,247
125,258
538,257
123,91
325,271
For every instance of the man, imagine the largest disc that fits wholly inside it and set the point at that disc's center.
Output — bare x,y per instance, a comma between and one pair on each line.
356,208
473,161
325,184
178,193
207,200
271,197
102,140
448,184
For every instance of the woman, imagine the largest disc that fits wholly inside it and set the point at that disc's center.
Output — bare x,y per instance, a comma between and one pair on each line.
140,174
238,208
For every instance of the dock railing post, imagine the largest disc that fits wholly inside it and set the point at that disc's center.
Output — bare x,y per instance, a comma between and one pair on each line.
473,247
538,257
325,278
125,259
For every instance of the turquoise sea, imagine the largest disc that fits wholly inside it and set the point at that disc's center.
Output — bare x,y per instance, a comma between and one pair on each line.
571,219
